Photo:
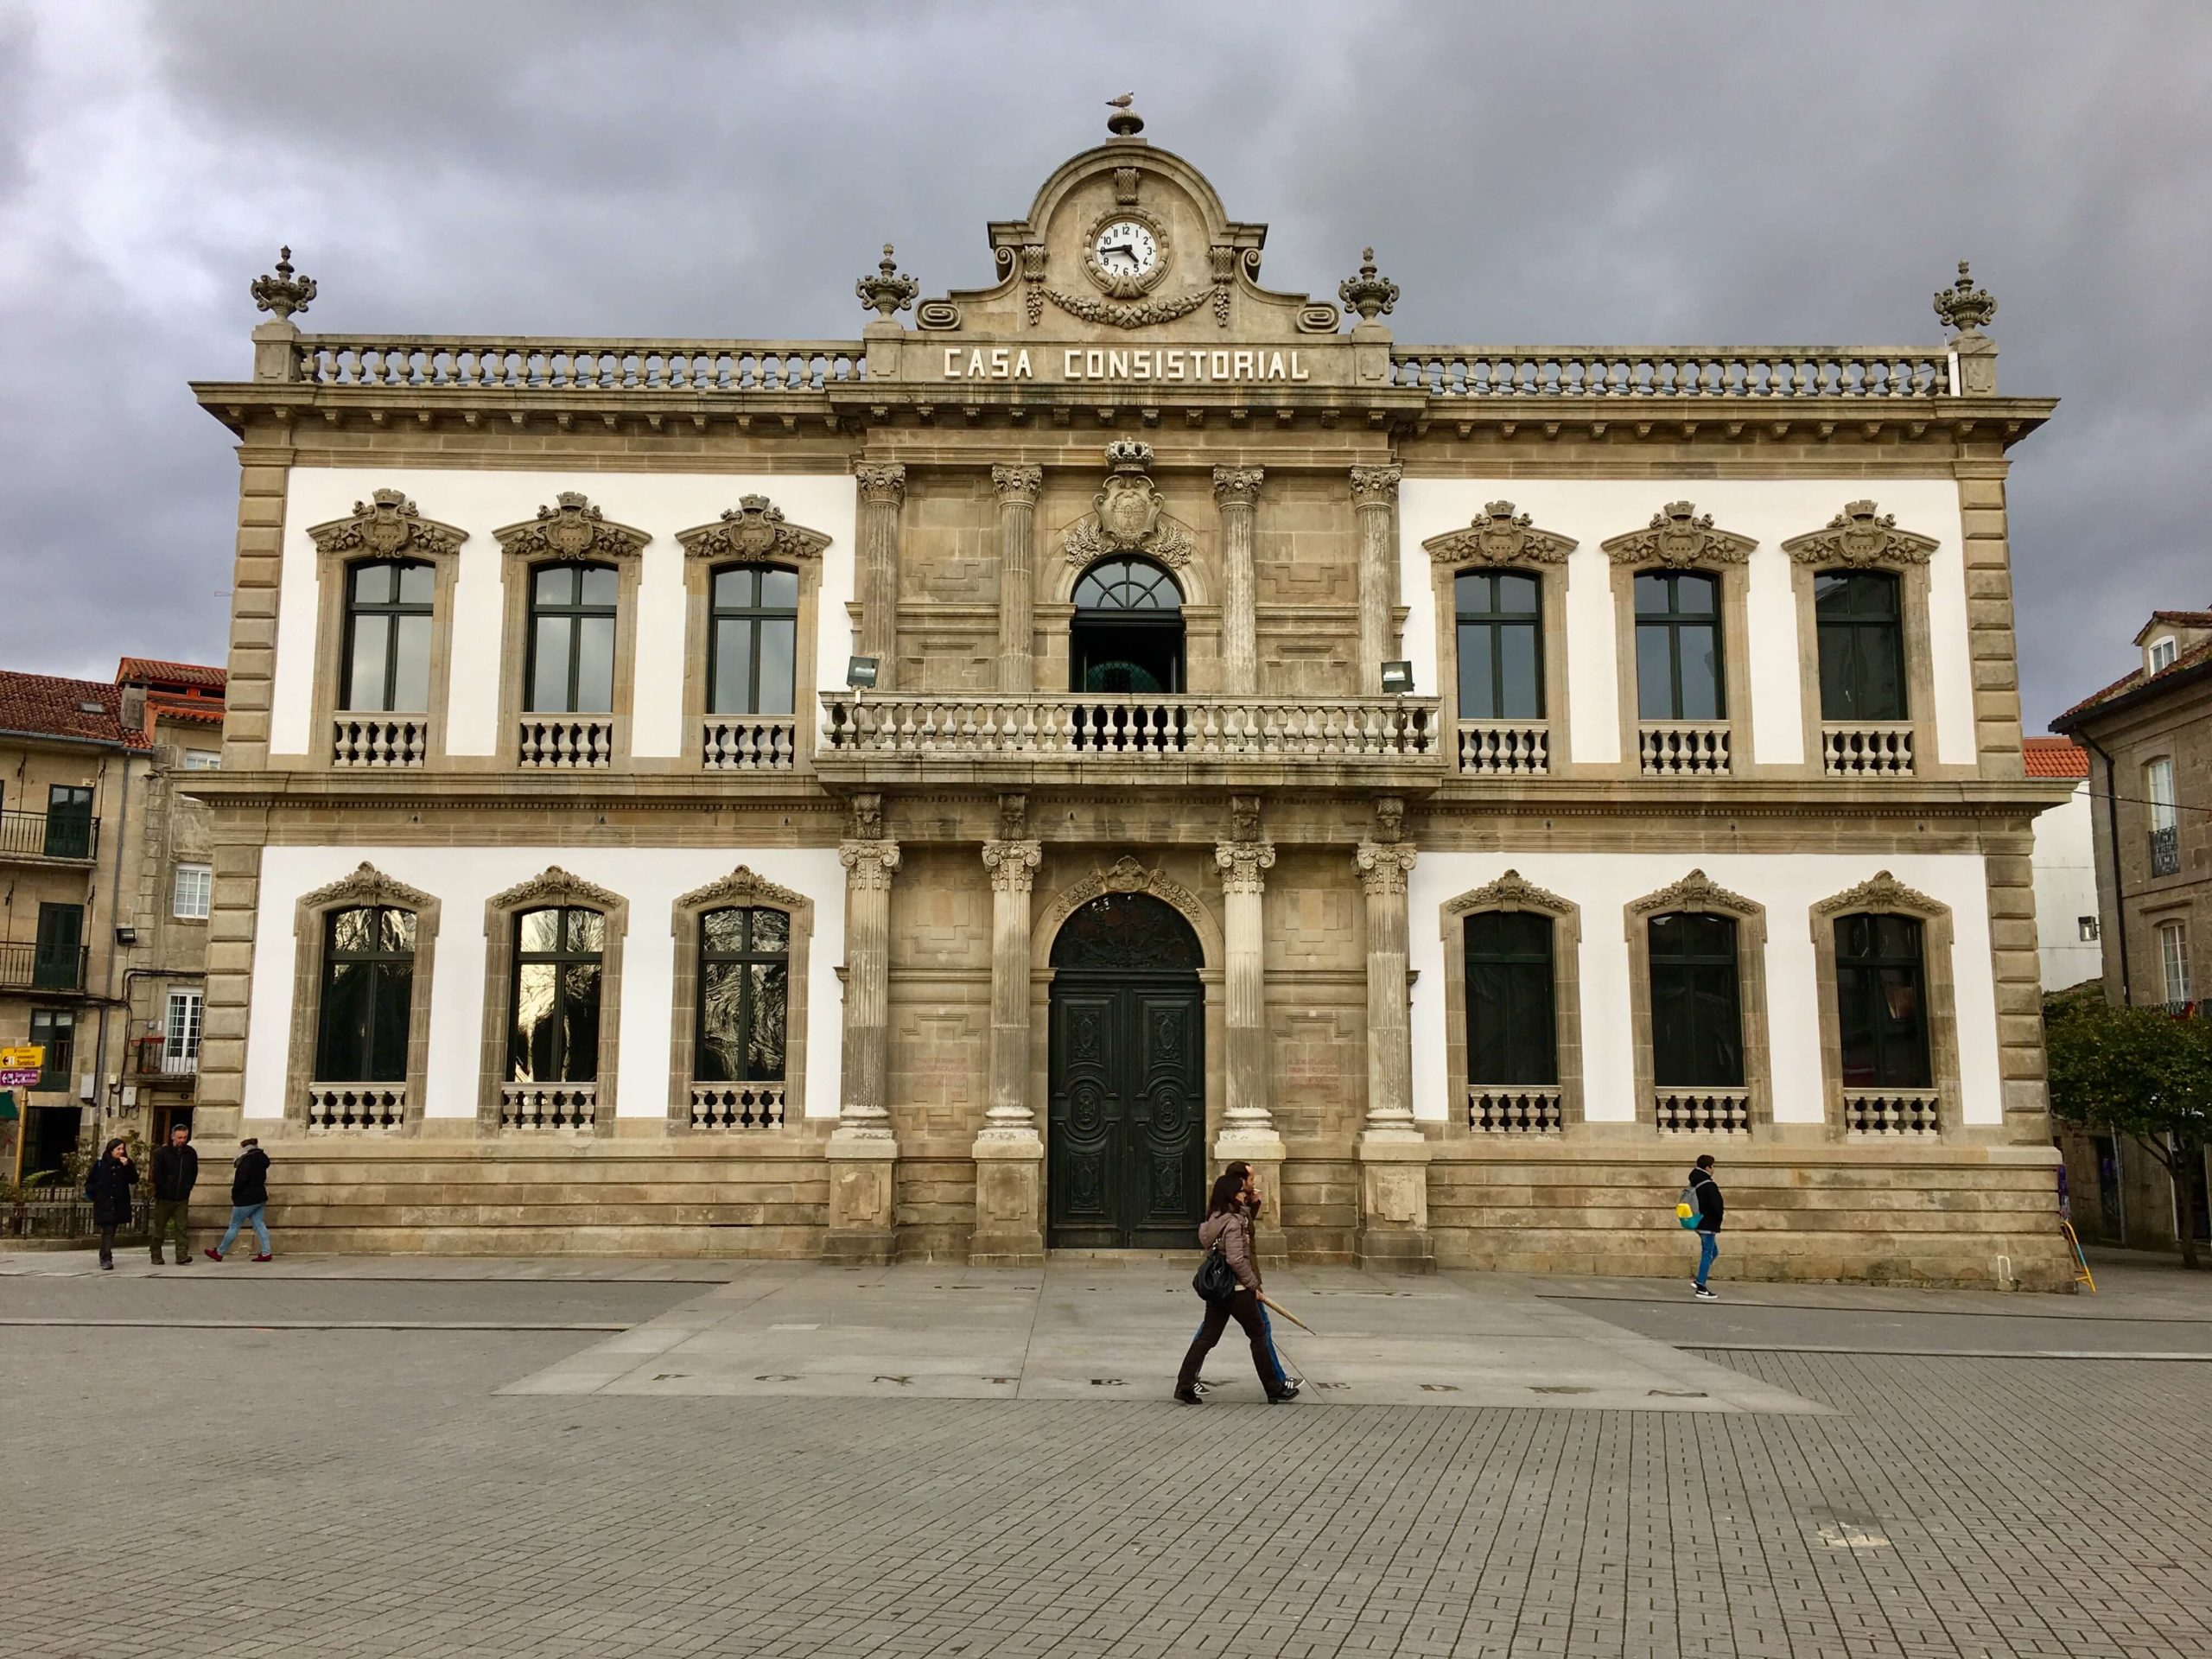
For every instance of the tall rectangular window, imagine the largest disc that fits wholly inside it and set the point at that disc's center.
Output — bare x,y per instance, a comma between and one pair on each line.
181,1033
553,1035
1697,1026
752,641
55,1030
2173,960
68,822
1861,639
57,958
2165,819
744,995
365,1008
1882,1002
388,611
1500,644
572,610
1512,1035
1679,674
196,887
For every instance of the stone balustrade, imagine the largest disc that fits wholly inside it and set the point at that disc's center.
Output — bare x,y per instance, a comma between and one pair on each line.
1494,748
1513,1109
1680,748
548,1105
749,742
1764,372
1701,1111
737,1105
383,741
544,364
1891,1111
1866,749
1082,725
345,1107
568,742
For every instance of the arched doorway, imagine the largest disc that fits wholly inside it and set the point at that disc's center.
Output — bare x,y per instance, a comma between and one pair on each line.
1127,635
1128,1072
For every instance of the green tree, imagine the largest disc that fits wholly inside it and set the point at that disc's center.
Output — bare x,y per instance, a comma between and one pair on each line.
2140,1073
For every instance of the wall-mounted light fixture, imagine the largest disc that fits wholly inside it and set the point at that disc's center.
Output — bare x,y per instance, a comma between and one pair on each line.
860,673
1398,677
126,935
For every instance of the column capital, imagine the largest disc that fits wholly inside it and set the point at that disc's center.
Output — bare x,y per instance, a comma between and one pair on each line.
881,481
1243,864
1013,864
868,863
1238,487
1376,487
1017,486
1384,865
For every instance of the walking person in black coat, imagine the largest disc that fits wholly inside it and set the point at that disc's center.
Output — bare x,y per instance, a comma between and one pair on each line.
108,1185
177,1172
1229,1224
1710,1207
249,1198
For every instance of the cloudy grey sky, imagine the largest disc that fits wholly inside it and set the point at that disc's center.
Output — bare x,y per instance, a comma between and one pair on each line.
1609,173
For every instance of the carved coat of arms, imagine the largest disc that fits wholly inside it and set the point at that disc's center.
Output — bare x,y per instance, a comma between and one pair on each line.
1127,515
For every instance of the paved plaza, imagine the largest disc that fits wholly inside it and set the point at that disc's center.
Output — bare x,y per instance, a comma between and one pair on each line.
409,1457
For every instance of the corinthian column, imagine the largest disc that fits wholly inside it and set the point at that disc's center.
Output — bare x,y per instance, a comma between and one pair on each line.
1009,1155
1236,491
863,1151
883,488
1373,492
1018,488
1392,1155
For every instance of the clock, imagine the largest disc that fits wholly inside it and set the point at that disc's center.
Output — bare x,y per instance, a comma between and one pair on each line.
1126,254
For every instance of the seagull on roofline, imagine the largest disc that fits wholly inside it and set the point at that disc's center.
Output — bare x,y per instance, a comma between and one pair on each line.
1122,102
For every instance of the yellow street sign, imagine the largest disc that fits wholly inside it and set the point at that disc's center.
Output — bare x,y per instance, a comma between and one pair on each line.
24,1056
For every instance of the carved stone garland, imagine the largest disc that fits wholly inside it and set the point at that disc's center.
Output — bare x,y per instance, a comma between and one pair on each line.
1128,516
751,532
1128,876
554,887
1510,891
741,887
1879,892
1500,536
387,526
1679,537
571,528
1694,891
367,884
1860,536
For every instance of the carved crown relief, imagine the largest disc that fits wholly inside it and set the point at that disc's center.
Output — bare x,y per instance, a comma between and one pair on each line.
1500,536
1127,515
1881,891
555,885
1679,536
741,886
386,526
1694,891
367,884
1127,875
1512,891
1861,536
750,533
571,528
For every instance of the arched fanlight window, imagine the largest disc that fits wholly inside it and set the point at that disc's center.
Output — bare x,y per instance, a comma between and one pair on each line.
1127,633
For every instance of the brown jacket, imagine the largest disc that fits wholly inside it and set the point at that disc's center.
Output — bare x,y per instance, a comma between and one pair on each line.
1232,1230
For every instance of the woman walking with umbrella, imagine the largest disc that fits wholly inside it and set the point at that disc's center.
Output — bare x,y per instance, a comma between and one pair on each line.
1228,1228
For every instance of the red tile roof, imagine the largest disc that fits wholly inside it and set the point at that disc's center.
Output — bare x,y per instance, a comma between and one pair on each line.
2056,757
148,670
198,711
51,707
2196,657
2184,618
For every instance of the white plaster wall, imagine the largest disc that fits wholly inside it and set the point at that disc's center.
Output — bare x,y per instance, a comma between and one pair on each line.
2066,890
463,878
1769,511
481,501
1787,885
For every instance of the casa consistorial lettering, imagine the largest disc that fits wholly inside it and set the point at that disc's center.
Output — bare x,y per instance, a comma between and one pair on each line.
1171,365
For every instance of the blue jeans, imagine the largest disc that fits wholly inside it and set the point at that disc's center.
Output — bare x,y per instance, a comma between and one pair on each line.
1282,1378
1708,1246
241,1214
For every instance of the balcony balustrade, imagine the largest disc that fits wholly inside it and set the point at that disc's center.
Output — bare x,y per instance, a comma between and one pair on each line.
548,1105
1866,749
65,836
27,966
346,1108
542,364
1702,1111
1678,749
1891,1111
1513,1109
568,742
738,1105
749,742
1492,748
1764,372
379,740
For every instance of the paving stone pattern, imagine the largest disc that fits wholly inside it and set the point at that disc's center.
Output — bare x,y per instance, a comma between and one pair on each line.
231,1492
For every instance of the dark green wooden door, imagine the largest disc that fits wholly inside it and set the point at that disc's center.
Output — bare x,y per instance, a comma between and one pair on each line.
1127,1068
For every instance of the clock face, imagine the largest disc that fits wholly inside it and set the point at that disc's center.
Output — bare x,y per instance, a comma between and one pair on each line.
1125,248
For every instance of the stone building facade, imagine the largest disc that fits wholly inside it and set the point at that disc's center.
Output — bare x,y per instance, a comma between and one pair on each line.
941,793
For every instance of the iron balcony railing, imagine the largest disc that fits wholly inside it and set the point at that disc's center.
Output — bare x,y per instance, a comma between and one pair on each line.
2165,851
49,834
29,967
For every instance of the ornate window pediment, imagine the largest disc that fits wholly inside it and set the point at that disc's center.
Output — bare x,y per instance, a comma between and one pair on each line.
367,884
571,528
386,526
1500,536
751,532
1695,892
1881,893
1128,516
741,886
1512,891
1679,537
1861,536
554,887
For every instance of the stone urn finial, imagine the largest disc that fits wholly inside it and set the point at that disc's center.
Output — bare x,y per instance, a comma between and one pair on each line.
887,293
1964,307
1125,122
282,293
1369,294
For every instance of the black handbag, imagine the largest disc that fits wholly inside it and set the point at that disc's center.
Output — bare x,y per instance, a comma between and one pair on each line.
1215,1280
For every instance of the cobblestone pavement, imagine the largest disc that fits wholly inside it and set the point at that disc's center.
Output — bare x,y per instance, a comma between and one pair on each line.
332,1491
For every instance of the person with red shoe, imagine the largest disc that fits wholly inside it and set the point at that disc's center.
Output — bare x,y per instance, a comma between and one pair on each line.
249,1198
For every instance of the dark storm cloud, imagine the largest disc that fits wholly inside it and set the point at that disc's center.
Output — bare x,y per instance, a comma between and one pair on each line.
1610,174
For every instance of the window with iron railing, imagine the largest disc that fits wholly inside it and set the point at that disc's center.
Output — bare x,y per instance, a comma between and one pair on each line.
2165,819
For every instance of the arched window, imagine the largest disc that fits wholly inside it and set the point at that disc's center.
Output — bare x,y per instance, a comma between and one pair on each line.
1679,673
1859,617
1500,644
1127,636
1882,1002
553,995
368,985
389,604
572,609
744,995
1697,1023
751,640
1511,1026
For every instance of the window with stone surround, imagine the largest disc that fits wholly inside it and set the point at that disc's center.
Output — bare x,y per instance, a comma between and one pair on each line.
1697,1014
753,640
390,606
568,677
1697,990
1888,1028
364,1002
1499,635
1881,1002
1500,591
738,1005
1127,634
1866,676
553,996
383,582
553,949
363,953
2173,963
1513,1025
2164,817
195,889
573,610
1860,626
744,995
751,581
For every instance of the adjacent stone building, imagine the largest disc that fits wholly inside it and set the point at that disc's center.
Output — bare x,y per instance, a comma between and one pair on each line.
2149,739
944,792
2068,931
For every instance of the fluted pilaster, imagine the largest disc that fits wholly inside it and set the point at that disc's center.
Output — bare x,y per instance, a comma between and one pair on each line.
1018,488
865,1109
1012,867
1243,867
1374,494
1237,491
882,491
1383,867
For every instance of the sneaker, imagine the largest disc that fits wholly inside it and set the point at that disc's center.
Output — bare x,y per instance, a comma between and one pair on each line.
212,1255
1202,1387
264,1258
107,1266
1705,1295
1189,1396
1289,1391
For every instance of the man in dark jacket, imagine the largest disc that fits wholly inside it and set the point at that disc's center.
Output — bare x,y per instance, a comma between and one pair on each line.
177,1170
249,1198
1710,1209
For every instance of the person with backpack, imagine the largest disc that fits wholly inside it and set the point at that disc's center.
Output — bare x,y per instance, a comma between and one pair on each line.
1704,1192
249,1198
108,1185
1228,1230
